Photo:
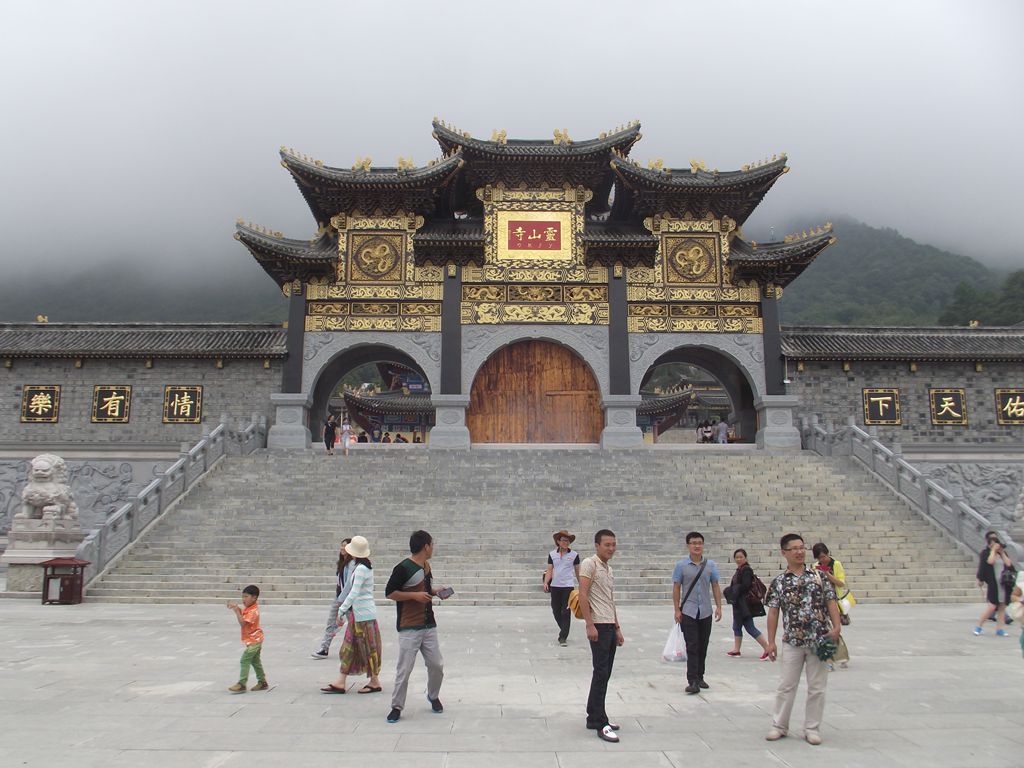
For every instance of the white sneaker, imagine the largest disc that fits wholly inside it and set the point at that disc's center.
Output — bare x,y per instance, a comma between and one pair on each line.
775,734
813,738
607,734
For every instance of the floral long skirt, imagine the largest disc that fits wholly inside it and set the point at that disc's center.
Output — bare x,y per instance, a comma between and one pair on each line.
361,648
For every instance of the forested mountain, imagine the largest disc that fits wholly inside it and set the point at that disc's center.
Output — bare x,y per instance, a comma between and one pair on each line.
878,277
869,277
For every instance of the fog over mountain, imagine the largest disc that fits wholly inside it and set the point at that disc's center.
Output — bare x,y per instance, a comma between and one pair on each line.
141,131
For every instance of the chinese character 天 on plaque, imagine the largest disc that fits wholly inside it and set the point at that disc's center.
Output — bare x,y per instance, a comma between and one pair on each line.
948,406
40,404
183,405
111,404
1010,406
882,407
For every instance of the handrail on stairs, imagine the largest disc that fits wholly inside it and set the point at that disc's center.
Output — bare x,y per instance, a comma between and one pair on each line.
928,498
125,525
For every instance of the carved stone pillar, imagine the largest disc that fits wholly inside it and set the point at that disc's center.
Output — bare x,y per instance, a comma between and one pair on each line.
289,431
776,423
450,430
620,429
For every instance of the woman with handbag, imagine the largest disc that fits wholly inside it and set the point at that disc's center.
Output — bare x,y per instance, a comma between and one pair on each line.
833,570
986,575
742,612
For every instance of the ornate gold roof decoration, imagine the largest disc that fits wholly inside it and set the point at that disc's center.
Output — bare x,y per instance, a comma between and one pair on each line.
766,161
562,136
292,152
697,165
259,228
619,129
499,137
405,164
362,163
40,319
656,165
812,232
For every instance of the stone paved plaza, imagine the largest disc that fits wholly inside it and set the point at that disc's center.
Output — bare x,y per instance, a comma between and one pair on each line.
130,685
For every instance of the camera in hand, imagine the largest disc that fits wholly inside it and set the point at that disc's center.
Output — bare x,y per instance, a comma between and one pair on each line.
445,593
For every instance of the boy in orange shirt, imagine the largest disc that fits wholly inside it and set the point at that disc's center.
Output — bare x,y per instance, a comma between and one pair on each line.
248,616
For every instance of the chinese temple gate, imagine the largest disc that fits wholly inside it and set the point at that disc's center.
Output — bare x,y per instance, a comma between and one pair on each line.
534,285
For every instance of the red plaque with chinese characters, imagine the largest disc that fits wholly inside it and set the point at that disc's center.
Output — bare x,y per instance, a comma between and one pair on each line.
534,235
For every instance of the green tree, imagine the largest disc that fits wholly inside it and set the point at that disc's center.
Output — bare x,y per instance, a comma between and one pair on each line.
967,304
1008,308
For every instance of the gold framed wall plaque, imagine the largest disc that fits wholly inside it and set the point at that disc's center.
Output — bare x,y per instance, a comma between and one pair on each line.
533,236
948,407
1010,407
40,403
183,404
882,407
111,404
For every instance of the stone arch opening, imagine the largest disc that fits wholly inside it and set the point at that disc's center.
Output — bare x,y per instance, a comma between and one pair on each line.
731,377
535,391
397,369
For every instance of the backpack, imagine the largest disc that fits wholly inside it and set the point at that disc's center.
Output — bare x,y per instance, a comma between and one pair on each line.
1008,578
757,592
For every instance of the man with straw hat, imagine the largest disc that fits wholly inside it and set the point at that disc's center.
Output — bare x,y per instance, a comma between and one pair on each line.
560,578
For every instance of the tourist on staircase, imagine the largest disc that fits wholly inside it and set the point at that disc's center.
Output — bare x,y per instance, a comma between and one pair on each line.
361,647
992,553
833,570
744,609
693,607
343,582
562,573
346,436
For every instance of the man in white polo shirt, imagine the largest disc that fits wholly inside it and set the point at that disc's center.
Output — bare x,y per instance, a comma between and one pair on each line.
597,602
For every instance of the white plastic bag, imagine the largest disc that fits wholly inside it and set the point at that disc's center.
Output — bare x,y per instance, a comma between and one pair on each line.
675,646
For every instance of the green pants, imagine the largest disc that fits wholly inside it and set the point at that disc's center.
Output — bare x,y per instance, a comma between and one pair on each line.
251,657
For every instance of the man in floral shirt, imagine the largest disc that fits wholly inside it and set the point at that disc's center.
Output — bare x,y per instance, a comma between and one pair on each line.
809,616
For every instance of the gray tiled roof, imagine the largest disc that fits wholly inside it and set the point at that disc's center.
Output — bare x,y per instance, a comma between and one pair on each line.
539,149
124,340
922,343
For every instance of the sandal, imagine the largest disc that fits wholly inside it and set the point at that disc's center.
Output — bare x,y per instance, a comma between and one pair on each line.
732,653
369,689
331,688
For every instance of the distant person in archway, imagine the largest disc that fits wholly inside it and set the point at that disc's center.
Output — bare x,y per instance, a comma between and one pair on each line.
386,438
722,432
363,438
346,436
560,577
330,434
400,438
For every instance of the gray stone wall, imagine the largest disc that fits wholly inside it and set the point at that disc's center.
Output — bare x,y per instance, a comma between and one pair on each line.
824,389
100,485
239,389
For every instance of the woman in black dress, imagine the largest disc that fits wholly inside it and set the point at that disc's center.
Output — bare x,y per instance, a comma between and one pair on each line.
992,552
330,433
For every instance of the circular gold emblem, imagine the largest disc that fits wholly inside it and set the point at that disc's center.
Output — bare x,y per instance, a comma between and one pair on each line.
377,257
691,260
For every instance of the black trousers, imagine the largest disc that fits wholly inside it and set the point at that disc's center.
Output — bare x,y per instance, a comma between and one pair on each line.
697,634
603,652
560,609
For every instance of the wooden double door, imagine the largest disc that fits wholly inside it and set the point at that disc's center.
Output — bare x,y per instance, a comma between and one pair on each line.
535,392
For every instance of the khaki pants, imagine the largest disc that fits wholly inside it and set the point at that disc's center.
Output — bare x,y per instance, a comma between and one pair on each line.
411,642
793,661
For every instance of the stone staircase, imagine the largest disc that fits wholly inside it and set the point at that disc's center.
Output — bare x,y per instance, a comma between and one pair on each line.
275,520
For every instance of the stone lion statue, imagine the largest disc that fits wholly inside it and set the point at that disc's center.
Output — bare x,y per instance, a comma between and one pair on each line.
47,496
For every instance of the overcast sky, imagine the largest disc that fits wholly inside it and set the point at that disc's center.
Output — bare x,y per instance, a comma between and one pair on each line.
144,129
